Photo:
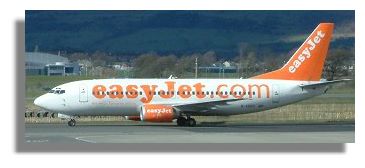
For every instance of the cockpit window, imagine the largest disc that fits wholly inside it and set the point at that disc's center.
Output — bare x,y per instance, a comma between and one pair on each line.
57,91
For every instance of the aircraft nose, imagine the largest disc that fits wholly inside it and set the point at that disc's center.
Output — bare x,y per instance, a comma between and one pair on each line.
40,101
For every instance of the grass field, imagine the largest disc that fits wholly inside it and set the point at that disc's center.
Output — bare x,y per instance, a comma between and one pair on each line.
338,105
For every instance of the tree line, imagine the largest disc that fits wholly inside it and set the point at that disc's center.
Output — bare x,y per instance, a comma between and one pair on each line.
339,63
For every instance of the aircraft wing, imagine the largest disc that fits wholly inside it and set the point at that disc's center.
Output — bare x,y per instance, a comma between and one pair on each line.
202,107
325,83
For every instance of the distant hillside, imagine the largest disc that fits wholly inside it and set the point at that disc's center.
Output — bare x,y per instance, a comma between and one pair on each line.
178,32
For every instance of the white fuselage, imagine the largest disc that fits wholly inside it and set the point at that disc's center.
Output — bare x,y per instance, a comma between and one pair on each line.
98,97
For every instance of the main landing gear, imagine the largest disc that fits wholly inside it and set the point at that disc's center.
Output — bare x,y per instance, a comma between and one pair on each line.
72,123
188,121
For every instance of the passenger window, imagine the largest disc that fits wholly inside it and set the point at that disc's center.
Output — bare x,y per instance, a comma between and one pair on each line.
62,91
51,91
57,91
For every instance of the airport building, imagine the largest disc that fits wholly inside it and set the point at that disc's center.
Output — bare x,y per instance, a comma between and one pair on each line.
37,63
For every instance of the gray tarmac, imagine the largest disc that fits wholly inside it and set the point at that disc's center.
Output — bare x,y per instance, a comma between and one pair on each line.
169,133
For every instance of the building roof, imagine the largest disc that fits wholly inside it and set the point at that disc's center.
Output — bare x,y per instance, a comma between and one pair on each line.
43,58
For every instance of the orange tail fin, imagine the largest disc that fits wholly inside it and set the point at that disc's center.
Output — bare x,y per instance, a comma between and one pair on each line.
307,62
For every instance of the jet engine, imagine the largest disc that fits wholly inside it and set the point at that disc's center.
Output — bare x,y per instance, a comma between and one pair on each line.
157,113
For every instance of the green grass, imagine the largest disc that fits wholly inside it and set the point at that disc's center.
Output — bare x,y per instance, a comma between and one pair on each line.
291,114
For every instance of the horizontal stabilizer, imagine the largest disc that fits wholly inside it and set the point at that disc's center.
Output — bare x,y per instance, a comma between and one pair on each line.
324,83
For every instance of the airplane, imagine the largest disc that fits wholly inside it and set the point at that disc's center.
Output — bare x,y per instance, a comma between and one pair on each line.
164,100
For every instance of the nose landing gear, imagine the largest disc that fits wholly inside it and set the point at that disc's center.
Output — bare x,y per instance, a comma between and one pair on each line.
71,119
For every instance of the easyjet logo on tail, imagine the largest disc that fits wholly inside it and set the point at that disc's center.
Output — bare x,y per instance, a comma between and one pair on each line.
306,53
307,62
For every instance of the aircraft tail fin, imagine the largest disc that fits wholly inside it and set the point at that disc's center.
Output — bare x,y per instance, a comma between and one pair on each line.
307,62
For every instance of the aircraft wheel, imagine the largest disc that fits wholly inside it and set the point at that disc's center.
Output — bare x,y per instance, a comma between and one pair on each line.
191,122
181,121
72,123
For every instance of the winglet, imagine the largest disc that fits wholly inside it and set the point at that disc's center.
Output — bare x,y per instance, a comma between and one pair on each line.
307,62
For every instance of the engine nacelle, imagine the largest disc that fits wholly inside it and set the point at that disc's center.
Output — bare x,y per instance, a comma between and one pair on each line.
157,113
133,118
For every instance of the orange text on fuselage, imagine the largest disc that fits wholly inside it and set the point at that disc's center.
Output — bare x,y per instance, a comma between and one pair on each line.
146,93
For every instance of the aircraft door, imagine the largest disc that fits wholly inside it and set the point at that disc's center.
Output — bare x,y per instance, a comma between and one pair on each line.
275,93
83,93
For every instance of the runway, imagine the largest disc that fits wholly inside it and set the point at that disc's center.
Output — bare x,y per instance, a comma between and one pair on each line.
169,133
